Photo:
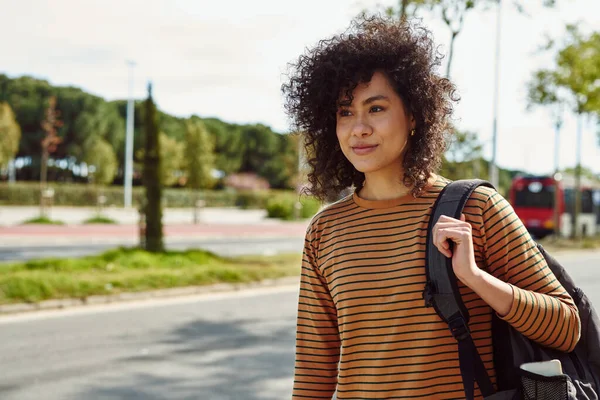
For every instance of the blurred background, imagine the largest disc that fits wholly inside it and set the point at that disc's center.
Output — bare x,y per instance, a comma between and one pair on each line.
148,174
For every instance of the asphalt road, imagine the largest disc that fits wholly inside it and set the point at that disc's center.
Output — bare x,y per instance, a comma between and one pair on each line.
218,347
227,346
224,247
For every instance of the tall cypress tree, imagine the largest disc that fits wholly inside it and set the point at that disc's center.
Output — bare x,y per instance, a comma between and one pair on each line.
151,178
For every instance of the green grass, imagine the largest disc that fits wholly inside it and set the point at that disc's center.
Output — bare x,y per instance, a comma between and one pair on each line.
43,220
133,270
99,219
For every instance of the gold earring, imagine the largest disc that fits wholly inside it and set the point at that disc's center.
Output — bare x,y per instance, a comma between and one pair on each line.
412,132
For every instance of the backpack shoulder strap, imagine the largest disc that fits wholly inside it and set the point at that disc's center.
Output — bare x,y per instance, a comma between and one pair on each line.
441,290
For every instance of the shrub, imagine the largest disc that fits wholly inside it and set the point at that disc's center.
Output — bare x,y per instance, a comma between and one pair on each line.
43,221
280,208
283,207
99,219
310,206
252,199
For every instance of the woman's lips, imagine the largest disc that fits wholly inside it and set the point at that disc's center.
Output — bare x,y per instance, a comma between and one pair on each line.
362,150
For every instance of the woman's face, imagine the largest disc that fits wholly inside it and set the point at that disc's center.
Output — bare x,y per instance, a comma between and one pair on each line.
373,130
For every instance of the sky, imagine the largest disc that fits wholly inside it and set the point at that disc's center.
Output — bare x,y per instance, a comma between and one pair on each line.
228,59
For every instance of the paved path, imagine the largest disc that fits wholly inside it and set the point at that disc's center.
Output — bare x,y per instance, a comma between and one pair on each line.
90,233
14,215
214,223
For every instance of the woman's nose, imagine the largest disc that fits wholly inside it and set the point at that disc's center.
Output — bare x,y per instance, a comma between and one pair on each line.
362,129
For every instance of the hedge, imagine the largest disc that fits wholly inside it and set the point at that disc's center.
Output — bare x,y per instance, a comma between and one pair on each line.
72,194
282,207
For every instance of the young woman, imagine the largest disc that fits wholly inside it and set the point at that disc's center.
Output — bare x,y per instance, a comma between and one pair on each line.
375,115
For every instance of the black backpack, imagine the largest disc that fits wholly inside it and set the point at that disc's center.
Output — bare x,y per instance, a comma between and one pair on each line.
581,367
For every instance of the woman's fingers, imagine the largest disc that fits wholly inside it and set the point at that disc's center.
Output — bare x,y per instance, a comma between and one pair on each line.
443,238
450,229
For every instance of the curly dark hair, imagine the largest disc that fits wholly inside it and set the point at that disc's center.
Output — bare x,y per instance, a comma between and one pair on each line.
406,54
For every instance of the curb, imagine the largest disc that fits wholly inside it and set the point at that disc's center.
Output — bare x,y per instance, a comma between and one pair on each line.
48,305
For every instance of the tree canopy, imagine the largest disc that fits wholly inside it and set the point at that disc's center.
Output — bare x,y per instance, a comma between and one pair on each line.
88,120
10,134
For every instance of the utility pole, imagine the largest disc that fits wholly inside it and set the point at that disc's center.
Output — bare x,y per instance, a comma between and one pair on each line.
11,172
128,176
493,166
557,193
577,198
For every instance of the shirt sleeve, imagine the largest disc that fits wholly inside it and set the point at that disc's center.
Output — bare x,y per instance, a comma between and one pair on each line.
317,334
542,310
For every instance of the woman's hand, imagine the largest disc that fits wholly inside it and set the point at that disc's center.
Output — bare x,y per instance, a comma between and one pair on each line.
498,294
458,232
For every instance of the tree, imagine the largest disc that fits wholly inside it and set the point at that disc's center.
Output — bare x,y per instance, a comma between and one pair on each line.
28,99
93,119
281,169
172,160
229,145
585,173
405,9
82,115
85,118
573,83
100,155
199,155
464,157
49,144
465,146
151,177
452,12
261,152
10,134
51,139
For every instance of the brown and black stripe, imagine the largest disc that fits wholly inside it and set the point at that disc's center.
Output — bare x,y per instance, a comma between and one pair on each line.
363,329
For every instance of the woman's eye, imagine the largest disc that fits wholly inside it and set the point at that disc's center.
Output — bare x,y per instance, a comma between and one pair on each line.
344,113
376,109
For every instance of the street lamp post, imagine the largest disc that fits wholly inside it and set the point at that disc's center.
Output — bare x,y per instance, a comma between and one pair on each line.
557,197
575,232
11,171
493,166
127,182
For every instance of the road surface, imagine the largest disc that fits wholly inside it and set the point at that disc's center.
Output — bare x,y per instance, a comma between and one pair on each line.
227,346
24,242
222,246
219,347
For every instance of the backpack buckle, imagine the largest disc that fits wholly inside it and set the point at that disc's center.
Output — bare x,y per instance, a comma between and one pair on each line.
459,328
428,294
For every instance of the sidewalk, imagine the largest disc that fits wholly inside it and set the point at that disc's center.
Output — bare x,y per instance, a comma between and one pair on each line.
111,233
15,215
214,223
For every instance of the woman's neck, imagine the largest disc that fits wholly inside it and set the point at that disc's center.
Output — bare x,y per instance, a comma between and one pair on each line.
380,187
385,188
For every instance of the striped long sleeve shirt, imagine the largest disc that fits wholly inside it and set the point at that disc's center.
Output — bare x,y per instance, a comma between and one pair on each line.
363,328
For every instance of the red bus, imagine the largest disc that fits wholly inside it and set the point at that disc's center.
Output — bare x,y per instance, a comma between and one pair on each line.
533,199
